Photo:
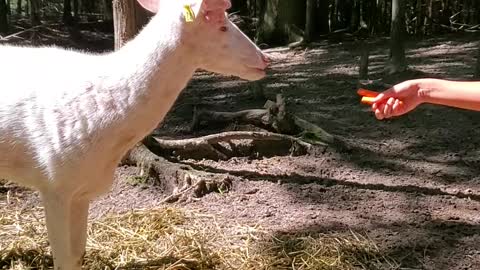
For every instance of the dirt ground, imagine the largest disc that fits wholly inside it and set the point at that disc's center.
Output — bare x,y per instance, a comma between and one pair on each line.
411,184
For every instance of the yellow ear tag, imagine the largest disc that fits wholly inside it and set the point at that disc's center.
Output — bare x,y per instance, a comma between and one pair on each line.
188,13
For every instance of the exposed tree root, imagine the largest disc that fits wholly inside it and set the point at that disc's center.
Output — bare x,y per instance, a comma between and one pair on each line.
183,182
284,134
274,117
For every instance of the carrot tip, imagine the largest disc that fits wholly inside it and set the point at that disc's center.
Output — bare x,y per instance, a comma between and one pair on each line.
367,100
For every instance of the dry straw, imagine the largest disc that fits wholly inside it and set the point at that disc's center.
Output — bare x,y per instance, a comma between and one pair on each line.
173,239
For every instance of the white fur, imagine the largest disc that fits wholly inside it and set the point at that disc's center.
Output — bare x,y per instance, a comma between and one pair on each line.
67,118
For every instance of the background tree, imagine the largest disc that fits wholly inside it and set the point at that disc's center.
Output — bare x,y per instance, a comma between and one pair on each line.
397,61
67,12
128,18
19,7
34,9
3,17
281,22
108,10
76,8
310,26
477,68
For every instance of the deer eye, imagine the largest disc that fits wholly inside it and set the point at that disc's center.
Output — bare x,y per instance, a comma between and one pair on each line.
223,29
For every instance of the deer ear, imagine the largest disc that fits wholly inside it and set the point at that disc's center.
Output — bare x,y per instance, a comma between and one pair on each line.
222,5
214,10
150,5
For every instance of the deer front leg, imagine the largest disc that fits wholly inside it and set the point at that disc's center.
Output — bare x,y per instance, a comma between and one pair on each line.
57,215
78,226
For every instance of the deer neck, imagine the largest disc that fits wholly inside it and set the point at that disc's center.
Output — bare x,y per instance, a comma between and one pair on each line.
153,68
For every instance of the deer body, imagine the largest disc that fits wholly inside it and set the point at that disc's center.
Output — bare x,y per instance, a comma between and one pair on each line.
64,128
88,115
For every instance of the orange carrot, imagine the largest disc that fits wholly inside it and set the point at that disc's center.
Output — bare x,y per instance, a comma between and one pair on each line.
367,93
367,100
368,96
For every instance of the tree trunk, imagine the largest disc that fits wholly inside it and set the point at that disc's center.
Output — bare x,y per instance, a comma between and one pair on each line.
9,10
281,22
336,15
380,17
397,35
310,20
355,15
364,61
259,7
323,20
128,18
3,17
19,7
108,10
365,19
34,7
75,9
466,11
475,12
429,12
332,15
477,68
343,13
240,6
420,25
124,21
67,12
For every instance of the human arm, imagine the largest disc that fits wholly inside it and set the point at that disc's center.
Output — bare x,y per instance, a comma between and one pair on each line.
458,94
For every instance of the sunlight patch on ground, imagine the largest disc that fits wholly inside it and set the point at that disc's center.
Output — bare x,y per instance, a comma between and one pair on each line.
443,49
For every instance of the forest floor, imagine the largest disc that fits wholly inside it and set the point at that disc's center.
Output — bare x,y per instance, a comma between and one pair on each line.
410,185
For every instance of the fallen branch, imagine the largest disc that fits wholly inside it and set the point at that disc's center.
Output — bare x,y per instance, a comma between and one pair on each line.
225,145
17,34
274,118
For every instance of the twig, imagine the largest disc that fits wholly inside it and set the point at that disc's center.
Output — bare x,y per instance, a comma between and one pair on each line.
27,30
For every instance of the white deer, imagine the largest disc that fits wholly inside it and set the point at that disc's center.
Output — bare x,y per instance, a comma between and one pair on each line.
67,118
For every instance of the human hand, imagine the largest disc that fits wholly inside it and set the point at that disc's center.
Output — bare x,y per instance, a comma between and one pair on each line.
398,100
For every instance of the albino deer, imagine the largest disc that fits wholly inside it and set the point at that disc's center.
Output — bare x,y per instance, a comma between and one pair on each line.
67,118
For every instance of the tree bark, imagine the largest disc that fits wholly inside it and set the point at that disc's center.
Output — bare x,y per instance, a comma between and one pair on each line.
323,19
107,10
420,23
427,25
239,6
34,7
19,7
364,61
3,17
397,61
380,22
124,21
282,22
76,8
466,11
355,15
67,12
310,24
477,68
